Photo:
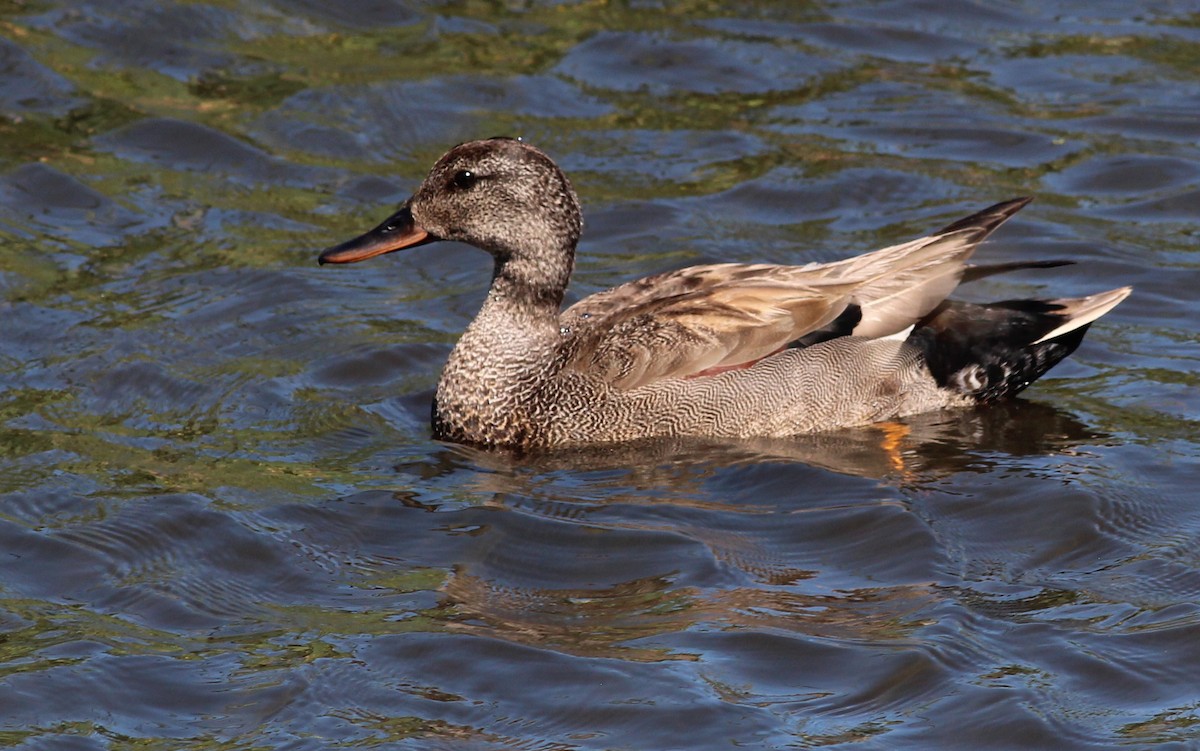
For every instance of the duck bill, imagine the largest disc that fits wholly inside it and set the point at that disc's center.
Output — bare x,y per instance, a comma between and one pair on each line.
397,232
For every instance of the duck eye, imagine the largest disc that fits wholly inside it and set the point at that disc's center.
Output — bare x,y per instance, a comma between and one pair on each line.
464,179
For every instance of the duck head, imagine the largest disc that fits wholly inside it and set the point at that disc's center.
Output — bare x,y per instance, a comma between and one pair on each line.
501,195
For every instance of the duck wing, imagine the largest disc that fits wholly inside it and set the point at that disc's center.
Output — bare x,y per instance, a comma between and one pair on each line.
706,319
721,325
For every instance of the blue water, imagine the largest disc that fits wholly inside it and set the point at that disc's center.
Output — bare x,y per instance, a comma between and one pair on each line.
223,523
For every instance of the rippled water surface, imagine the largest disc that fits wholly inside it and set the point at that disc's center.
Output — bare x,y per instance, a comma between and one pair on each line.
223,522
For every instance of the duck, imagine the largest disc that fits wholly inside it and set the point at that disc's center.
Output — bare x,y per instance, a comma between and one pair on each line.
730,350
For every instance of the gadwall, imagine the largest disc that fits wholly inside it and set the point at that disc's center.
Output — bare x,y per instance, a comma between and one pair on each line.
733,349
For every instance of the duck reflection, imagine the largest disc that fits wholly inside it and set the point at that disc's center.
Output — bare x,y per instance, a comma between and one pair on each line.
622,620
615,551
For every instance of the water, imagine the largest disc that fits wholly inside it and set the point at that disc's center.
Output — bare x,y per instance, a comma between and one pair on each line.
223,523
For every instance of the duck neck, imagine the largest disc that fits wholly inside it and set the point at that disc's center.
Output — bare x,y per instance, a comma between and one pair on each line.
534,290
504,357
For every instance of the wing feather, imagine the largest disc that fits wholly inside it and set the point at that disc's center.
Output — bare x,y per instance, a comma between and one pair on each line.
707,318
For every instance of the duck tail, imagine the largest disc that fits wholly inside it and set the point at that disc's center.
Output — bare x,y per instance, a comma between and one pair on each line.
975,272
994,350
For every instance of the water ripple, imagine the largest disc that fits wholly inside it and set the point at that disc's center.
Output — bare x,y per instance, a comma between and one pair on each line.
222,519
